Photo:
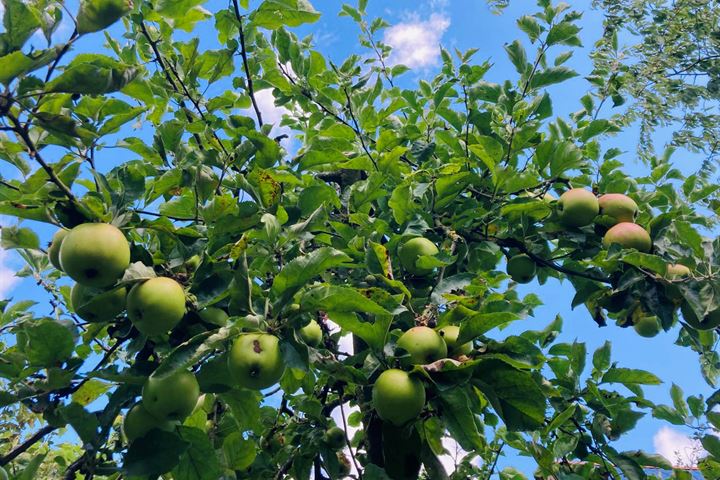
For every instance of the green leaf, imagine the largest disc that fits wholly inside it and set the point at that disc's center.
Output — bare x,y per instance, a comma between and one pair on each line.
92,74
530,26
480,323
597,127
488,150
17,63
333,298
83,422
20,21
30,471
646,261
95,15
17,237
630,376
518,57
190,352
90,391
156,453
513,393
299,271
551,76
238,452
601,357
563,33
273,14
649,459
49,343
199,461
373,333
461,421
711,443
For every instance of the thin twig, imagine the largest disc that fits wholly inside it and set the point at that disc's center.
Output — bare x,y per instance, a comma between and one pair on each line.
347,441
243,54
23,447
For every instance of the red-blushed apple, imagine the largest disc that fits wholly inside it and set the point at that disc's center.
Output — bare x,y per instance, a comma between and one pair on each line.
412,250
424,345
172,397
54,248
156,305
138,422
398,397
95,254
97,305
676,271
521,268
616,208
450,334
255,360
577,207
628,235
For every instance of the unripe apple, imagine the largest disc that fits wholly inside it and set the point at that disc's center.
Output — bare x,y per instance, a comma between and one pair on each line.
335,438
412,250
311,333
95,254
709,322
96,305
423,344
676,270
156,305
645,325
171,398
628,235
54,248
214,315
449,334
398,397
616,208
521,268
255,360
577,207
138,422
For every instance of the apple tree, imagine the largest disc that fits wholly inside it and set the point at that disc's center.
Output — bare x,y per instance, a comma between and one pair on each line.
324,297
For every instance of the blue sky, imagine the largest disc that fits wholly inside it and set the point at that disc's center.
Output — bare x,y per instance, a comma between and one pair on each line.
417,29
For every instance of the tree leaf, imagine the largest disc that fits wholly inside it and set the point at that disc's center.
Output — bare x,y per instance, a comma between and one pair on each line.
156,453
199,461
299,271
273,14
630,376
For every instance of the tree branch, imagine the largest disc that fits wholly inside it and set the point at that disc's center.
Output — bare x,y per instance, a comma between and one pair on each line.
22,132
243,54
23,447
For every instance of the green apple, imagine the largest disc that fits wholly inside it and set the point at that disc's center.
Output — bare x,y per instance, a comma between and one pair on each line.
214,316
412,250
577,207
255,360
628,235
645,325
138,422
449,334
676,270
424,345
97,305
335,438
521,268
54,248
710,321
616,208
95,254
398,397
311,333
171,398
156,305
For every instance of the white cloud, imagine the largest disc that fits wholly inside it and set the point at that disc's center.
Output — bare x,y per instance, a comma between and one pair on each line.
7,275
416,42
678,448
